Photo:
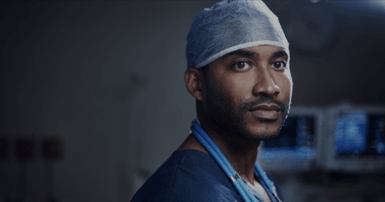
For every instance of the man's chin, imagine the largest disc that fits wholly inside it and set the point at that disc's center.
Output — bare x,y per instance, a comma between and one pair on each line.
260,136
265,130
267,121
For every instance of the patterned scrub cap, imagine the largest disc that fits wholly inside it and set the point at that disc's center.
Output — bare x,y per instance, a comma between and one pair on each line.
231,25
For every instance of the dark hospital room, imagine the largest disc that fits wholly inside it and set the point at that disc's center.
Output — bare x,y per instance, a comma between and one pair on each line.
93,98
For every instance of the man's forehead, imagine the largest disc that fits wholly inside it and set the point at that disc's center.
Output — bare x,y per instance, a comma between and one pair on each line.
256,51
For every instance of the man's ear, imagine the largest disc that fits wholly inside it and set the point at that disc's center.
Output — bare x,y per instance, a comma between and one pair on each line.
193,79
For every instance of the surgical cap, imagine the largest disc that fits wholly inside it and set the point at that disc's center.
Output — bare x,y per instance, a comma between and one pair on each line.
231,25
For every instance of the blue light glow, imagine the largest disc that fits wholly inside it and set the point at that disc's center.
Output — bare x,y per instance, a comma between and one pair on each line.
351,133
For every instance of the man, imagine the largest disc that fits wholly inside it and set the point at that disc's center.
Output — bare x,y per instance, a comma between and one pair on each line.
238,72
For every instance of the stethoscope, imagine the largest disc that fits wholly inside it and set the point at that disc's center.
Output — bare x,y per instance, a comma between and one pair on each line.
220,158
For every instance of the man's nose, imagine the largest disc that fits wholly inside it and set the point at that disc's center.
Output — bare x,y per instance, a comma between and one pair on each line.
264,83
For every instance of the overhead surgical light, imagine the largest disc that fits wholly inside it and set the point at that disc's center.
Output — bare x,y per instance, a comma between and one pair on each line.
314,1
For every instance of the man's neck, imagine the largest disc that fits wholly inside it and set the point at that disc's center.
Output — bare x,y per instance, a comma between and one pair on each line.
241,153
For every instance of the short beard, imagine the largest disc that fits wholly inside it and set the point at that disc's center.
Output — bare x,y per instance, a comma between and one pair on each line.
224,116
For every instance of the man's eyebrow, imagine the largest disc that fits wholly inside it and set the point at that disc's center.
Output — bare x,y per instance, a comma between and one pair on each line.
248,54
279,54
241,53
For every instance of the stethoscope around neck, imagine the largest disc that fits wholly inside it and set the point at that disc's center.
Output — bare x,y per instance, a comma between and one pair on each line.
220,158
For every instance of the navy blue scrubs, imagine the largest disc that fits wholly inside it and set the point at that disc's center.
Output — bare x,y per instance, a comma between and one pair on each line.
190,175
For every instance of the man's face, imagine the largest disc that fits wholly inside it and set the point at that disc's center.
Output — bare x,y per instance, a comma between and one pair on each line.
248,92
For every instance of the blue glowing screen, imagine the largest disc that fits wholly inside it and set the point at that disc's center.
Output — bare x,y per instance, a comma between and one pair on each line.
360,134
296,141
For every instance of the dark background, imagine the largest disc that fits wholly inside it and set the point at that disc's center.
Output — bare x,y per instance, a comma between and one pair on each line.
105,80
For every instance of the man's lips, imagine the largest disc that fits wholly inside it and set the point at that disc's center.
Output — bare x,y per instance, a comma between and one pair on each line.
266,111
266,107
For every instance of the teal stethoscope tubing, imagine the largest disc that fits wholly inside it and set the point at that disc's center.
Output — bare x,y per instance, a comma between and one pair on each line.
220,158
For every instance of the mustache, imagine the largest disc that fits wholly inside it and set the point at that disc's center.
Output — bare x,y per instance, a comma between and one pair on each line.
246,105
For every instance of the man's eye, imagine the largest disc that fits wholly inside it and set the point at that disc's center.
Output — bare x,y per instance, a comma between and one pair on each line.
241,65
279,64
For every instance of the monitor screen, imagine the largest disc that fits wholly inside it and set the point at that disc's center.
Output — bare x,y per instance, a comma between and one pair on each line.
359,134
353,139
296,142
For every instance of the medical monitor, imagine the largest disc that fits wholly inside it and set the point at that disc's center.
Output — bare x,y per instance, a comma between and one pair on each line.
354,139
295,149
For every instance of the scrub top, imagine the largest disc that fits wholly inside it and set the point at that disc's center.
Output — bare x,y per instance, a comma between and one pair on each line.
190,175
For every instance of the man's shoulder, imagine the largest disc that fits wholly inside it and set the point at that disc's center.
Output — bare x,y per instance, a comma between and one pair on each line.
188,175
